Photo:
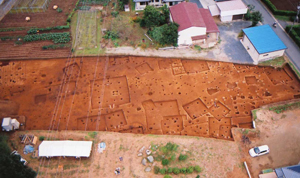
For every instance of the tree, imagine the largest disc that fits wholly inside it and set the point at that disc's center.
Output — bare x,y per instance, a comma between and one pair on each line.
256,17
10,165
165,35
166,13
152,17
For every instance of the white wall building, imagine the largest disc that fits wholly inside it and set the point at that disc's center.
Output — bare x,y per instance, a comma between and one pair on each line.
229,10
195,25
141,4
262,43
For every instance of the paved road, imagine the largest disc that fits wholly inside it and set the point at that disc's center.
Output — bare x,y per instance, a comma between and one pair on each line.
197,2
293,52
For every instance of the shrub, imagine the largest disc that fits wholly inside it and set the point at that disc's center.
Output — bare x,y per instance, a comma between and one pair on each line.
41,138
165,162
183,170
111,35
167,176
293,34
198,176
182,157
198,168
59,10
275,11
176,170
18,42
115,13
169,170
156,169
190,169
163,170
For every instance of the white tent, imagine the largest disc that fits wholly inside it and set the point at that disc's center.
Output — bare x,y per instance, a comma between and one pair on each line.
65,148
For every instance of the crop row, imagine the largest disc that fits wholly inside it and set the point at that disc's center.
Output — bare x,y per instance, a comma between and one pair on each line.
55,37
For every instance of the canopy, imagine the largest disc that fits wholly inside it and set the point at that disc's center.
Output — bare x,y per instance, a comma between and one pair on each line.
65,148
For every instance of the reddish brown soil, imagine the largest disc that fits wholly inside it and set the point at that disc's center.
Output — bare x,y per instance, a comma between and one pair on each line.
285,5
49,18
143,95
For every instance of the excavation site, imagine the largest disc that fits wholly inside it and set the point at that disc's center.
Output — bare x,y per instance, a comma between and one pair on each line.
142,95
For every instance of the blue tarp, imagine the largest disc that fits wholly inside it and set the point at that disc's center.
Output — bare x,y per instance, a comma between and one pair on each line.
28,149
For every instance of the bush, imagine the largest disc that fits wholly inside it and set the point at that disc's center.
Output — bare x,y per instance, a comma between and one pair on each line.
182,157
169,170
275,11
198,169
59,10
163,171
156,169
115,13
165,162
167,176
41,138
293,34
190,169
176,170
111,35
183,170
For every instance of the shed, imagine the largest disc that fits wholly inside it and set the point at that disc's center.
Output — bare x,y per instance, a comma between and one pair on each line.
229,10
262,43
65,148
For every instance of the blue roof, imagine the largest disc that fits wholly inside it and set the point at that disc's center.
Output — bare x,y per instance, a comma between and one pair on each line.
264,39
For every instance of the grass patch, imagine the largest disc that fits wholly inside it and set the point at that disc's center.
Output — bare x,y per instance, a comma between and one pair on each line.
254,116
92,134
295,69
278,62
281,108
283,17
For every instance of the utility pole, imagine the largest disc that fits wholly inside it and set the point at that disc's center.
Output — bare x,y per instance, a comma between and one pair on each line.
298,10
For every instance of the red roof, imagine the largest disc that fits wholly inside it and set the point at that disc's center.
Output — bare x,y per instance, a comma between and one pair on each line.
187,15
211,26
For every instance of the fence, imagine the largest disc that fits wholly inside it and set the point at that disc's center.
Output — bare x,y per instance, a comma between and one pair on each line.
28,6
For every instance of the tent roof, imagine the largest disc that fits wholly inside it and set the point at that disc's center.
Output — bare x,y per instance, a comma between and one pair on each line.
65,148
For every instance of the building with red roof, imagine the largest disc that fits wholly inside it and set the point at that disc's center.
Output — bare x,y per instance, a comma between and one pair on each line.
196,26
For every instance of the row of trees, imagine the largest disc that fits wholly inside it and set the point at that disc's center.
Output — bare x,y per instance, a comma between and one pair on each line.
159,26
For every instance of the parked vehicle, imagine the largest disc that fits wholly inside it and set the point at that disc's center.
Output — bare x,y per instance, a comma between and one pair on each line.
9,124
259,151
22,160
275,24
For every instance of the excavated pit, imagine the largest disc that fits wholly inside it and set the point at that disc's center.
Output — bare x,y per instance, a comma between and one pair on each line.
143,95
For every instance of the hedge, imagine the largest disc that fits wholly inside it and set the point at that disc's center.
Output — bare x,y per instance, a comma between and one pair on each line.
55,37
293,34
275,11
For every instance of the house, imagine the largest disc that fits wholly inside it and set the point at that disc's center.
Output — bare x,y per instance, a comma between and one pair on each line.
228,10
141,4
262,43
288,172
196,26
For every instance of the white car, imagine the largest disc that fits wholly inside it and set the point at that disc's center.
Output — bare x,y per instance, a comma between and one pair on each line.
258,151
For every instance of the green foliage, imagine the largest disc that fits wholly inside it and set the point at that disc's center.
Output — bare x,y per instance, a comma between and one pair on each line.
36,30
166,14
183,170
56,46
59,10
176,170
170,147
115,13
152,17
86,8
182,157
92,134
163,171
198,176
248,15
72,12
173,157
275,11
111,35
169,170
4,38
41,138
165,162
94,2
293,33
281,108
190,170
277,62
167,176
12,29
166,34
55,37
156,169
256,17
10,165
198,169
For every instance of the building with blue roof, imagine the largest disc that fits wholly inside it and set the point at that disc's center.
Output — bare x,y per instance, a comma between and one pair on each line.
262,43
